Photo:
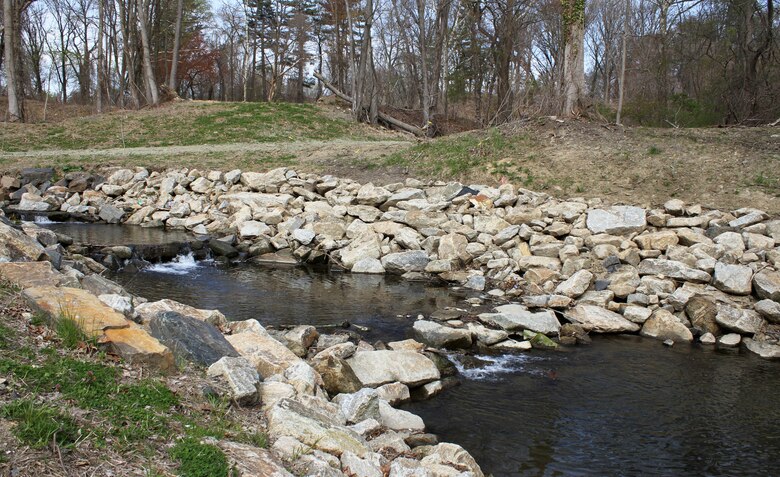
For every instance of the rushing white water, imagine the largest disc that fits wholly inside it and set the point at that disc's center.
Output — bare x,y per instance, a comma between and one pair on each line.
41,220
181,265
495,366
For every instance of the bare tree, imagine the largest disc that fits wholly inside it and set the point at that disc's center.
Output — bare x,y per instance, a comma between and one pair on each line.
573,56
176,46
153,96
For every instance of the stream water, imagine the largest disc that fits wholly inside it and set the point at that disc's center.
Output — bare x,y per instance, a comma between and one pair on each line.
621,406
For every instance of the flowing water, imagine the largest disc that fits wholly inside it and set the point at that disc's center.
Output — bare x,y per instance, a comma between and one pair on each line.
621,406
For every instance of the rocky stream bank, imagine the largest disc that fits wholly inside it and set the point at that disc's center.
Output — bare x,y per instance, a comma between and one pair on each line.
555,270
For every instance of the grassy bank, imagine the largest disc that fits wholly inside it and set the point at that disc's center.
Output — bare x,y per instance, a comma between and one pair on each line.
182,124
65,405
723,168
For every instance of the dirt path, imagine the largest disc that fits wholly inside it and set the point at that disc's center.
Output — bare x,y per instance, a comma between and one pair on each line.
305,149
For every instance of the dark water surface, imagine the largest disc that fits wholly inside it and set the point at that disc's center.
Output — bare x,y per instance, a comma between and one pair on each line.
110,234
621,406
291,295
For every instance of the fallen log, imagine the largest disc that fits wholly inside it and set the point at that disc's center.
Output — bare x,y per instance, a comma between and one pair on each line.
385,118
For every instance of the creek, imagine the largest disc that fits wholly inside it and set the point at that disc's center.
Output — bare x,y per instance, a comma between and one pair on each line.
621,406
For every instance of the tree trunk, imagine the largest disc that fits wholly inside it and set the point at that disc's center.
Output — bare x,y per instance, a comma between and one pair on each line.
176,46
13,86
151,84
100,59
573,56
621,84
426,94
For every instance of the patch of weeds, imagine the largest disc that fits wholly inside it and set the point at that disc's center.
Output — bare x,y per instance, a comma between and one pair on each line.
256,438
199,460
40,425
454,155
39,319
69,331
7,335
766,180
654,150
579,189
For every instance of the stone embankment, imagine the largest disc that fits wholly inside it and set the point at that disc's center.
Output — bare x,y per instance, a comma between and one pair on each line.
563,270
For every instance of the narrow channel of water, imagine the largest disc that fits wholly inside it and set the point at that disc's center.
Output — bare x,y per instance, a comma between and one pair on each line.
291,295
621,406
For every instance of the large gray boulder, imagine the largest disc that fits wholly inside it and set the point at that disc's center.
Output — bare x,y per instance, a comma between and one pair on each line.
190,338
600,320
314,428
762,348
367,244
665,326
402,262
617,220
440,336
734,279
672,269
575,285
769,309
767,284
518,317
16,245
747,322
375,368
242,378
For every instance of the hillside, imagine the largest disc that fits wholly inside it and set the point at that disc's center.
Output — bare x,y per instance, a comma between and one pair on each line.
717,167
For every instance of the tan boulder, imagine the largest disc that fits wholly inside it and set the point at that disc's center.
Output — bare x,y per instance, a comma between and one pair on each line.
33,274
137,346
92,315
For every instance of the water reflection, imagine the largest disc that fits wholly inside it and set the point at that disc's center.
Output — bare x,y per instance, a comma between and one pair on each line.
292,295
618,407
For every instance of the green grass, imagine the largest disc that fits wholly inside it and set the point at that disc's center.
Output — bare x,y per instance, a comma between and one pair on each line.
766,180
654,150
69,332
199,460
460,155
183,124
40,425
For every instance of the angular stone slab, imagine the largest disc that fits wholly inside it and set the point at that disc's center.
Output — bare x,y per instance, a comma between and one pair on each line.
665,326
739,320
16,245
313,428
150,309
92,315
252,461
375,368
33,274
138,347
268,355
241,377
190,338
673,269
617,220
767,285
518,317
440,336
765,350
600,320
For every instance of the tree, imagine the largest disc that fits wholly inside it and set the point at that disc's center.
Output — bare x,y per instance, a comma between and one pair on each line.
12,13
153,96
176,45
573,12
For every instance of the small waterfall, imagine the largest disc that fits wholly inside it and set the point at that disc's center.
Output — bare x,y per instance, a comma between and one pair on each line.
490,368
181,265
